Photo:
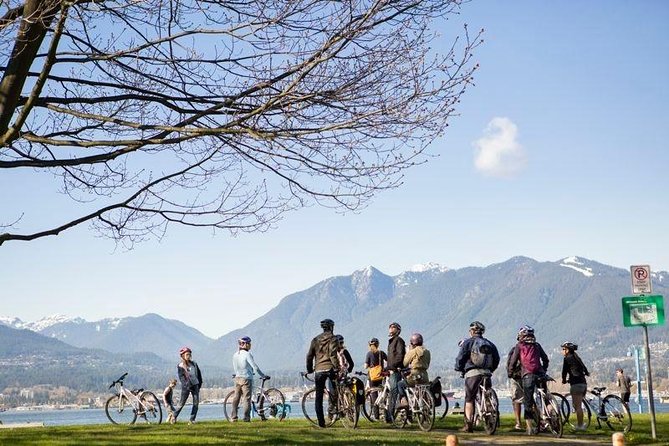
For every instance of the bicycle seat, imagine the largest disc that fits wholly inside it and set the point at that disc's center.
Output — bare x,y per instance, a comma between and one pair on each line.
136,391
597,390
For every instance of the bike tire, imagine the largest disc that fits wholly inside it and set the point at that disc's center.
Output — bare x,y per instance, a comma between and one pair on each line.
587,414
272,405
618,416
553,417
563,404
153,411
227,405
426,411
119,410
442,410
309,407
491,411
347,407
368,408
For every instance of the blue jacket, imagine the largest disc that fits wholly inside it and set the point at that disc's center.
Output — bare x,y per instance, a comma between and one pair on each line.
244,365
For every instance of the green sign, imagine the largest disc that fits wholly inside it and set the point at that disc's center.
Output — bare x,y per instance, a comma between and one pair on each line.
643,310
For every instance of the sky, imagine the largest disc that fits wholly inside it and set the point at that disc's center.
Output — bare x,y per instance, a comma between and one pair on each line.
559,150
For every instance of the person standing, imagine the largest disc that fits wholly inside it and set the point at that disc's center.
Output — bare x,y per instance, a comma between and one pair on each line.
244,367
533,362
624,384
477,360
323,361
574,373
516,388
346,363
168,400
190,377
375,362
396,352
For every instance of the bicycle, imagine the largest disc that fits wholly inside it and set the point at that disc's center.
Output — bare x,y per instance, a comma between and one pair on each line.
345,407
420,407
126,405
564,405
268,404
486,407
547,413
374,408
610,409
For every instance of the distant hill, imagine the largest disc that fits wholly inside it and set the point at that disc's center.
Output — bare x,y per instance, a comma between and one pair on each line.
149,333
571,299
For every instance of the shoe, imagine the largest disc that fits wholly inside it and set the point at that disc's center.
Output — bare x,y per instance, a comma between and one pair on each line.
191,422
404,403
531,431
580,427
518,427
467,428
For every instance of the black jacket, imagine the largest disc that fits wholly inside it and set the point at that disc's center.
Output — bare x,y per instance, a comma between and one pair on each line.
396,351
573,370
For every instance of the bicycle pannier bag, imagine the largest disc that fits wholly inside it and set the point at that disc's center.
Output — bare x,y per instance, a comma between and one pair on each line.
359,388
435,389
481,353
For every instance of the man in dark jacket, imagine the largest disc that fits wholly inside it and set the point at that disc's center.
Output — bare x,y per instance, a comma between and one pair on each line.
533,362
475,374
322,359
396,352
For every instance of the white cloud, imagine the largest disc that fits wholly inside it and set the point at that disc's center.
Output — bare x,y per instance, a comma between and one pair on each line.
498,152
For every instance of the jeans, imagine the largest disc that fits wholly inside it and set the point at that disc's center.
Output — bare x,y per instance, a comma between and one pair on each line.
393,380
243,388
530,382
320,379
185,391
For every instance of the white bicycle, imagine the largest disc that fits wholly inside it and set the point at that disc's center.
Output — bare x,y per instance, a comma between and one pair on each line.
126,405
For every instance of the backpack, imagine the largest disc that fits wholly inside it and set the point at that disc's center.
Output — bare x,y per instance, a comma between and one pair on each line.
530,358
481,353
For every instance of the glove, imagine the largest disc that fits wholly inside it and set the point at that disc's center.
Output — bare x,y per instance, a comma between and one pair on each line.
266,377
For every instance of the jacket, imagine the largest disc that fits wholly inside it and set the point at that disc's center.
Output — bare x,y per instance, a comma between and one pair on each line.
463,363
322,354
396,352
184,377
573,370
515,359
513,368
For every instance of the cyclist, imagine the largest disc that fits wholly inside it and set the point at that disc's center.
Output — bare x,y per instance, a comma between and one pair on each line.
516,387
323,360
396,352
191,382
244,366
374,362
478,358
574,372
417,358
345,360
533,362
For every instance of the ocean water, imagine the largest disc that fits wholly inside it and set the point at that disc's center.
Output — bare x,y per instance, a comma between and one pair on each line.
205,412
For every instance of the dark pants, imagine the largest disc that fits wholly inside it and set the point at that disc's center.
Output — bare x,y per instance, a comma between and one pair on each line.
530,383
374,395
185,391
625,396
320,379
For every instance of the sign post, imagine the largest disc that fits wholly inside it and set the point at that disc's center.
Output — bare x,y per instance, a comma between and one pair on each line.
643,310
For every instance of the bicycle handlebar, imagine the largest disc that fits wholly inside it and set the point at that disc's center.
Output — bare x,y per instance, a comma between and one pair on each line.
119,381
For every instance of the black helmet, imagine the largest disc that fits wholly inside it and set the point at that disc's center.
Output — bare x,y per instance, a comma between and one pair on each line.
416,339
339,338
569,346
374,341
327,324
396,325
477,327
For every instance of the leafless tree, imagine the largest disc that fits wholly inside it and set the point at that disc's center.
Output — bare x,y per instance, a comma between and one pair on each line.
220,114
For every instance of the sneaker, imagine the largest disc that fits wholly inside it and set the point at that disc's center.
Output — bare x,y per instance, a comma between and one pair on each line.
467,428
191,422
580,427
518,427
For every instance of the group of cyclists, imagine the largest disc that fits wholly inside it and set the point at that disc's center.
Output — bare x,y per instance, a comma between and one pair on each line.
477,359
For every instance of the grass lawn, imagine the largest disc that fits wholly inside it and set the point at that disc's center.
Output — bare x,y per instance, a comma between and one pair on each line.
296,431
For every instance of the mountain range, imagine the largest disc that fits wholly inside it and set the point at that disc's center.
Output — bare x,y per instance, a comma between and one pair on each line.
571,299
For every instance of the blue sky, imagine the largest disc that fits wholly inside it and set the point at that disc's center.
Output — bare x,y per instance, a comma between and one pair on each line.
559,150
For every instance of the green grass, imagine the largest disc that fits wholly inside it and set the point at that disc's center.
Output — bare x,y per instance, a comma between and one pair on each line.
296,431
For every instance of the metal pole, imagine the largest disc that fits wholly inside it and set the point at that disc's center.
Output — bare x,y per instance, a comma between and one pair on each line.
649,383
638,378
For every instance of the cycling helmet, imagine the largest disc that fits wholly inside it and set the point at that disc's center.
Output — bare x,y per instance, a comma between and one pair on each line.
244,340
416,339
569,346
477,327
396,325
327,324
185,350
339,338
374,341
525,330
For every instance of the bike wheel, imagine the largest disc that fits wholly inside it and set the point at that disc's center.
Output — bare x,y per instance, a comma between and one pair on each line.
442,410
563,404
426,411
272,405
587,414
119,410
309,407
227,405
348,409
553,417
617,414
490,411
152,411
369,409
